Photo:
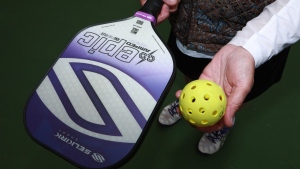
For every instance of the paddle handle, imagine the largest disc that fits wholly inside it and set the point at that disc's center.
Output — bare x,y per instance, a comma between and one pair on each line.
152,7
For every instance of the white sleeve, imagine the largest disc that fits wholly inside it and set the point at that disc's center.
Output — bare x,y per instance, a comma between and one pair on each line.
276,28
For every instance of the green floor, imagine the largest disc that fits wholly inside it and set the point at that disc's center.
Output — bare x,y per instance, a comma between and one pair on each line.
32,35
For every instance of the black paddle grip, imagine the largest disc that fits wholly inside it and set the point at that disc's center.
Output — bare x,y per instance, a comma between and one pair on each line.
152,7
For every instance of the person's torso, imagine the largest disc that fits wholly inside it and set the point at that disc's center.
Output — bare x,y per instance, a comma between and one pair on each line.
207,25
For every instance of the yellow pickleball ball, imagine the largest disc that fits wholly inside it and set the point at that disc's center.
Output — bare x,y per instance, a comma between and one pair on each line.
202,103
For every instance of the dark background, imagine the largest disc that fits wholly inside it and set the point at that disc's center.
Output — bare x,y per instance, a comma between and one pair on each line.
32,35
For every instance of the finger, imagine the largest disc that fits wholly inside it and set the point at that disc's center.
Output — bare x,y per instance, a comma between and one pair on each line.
232,106
173,5
234,102
177,94
143,2
215,127
164,14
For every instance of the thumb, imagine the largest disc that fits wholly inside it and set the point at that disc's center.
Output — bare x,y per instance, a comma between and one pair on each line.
234,102
229,118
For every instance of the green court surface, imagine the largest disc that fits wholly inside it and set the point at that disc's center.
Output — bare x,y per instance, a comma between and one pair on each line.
33,34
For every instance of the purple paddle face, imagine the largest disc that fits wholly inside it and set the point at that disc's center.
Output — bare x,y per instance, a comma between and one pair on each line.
94,105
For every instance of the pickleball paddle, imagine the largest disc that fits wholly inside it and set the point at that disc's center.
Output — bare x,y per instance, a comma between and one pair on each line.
96,103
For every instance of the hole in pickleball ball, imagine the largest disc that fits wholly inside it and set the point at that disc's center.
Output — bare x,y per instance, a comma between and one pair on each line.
193,99
204,122
221,114
215,113
193,87
221,98
183,96
202,110
208,84
180,108
192,121
190,111
206,97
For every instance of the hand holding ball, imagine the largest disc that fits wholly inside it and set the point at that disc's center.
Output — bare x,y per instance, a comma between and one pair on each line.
202,103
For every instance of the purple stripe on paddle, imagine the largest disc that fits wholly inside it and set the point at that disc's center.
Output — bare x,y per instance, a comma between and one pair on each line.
145,16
